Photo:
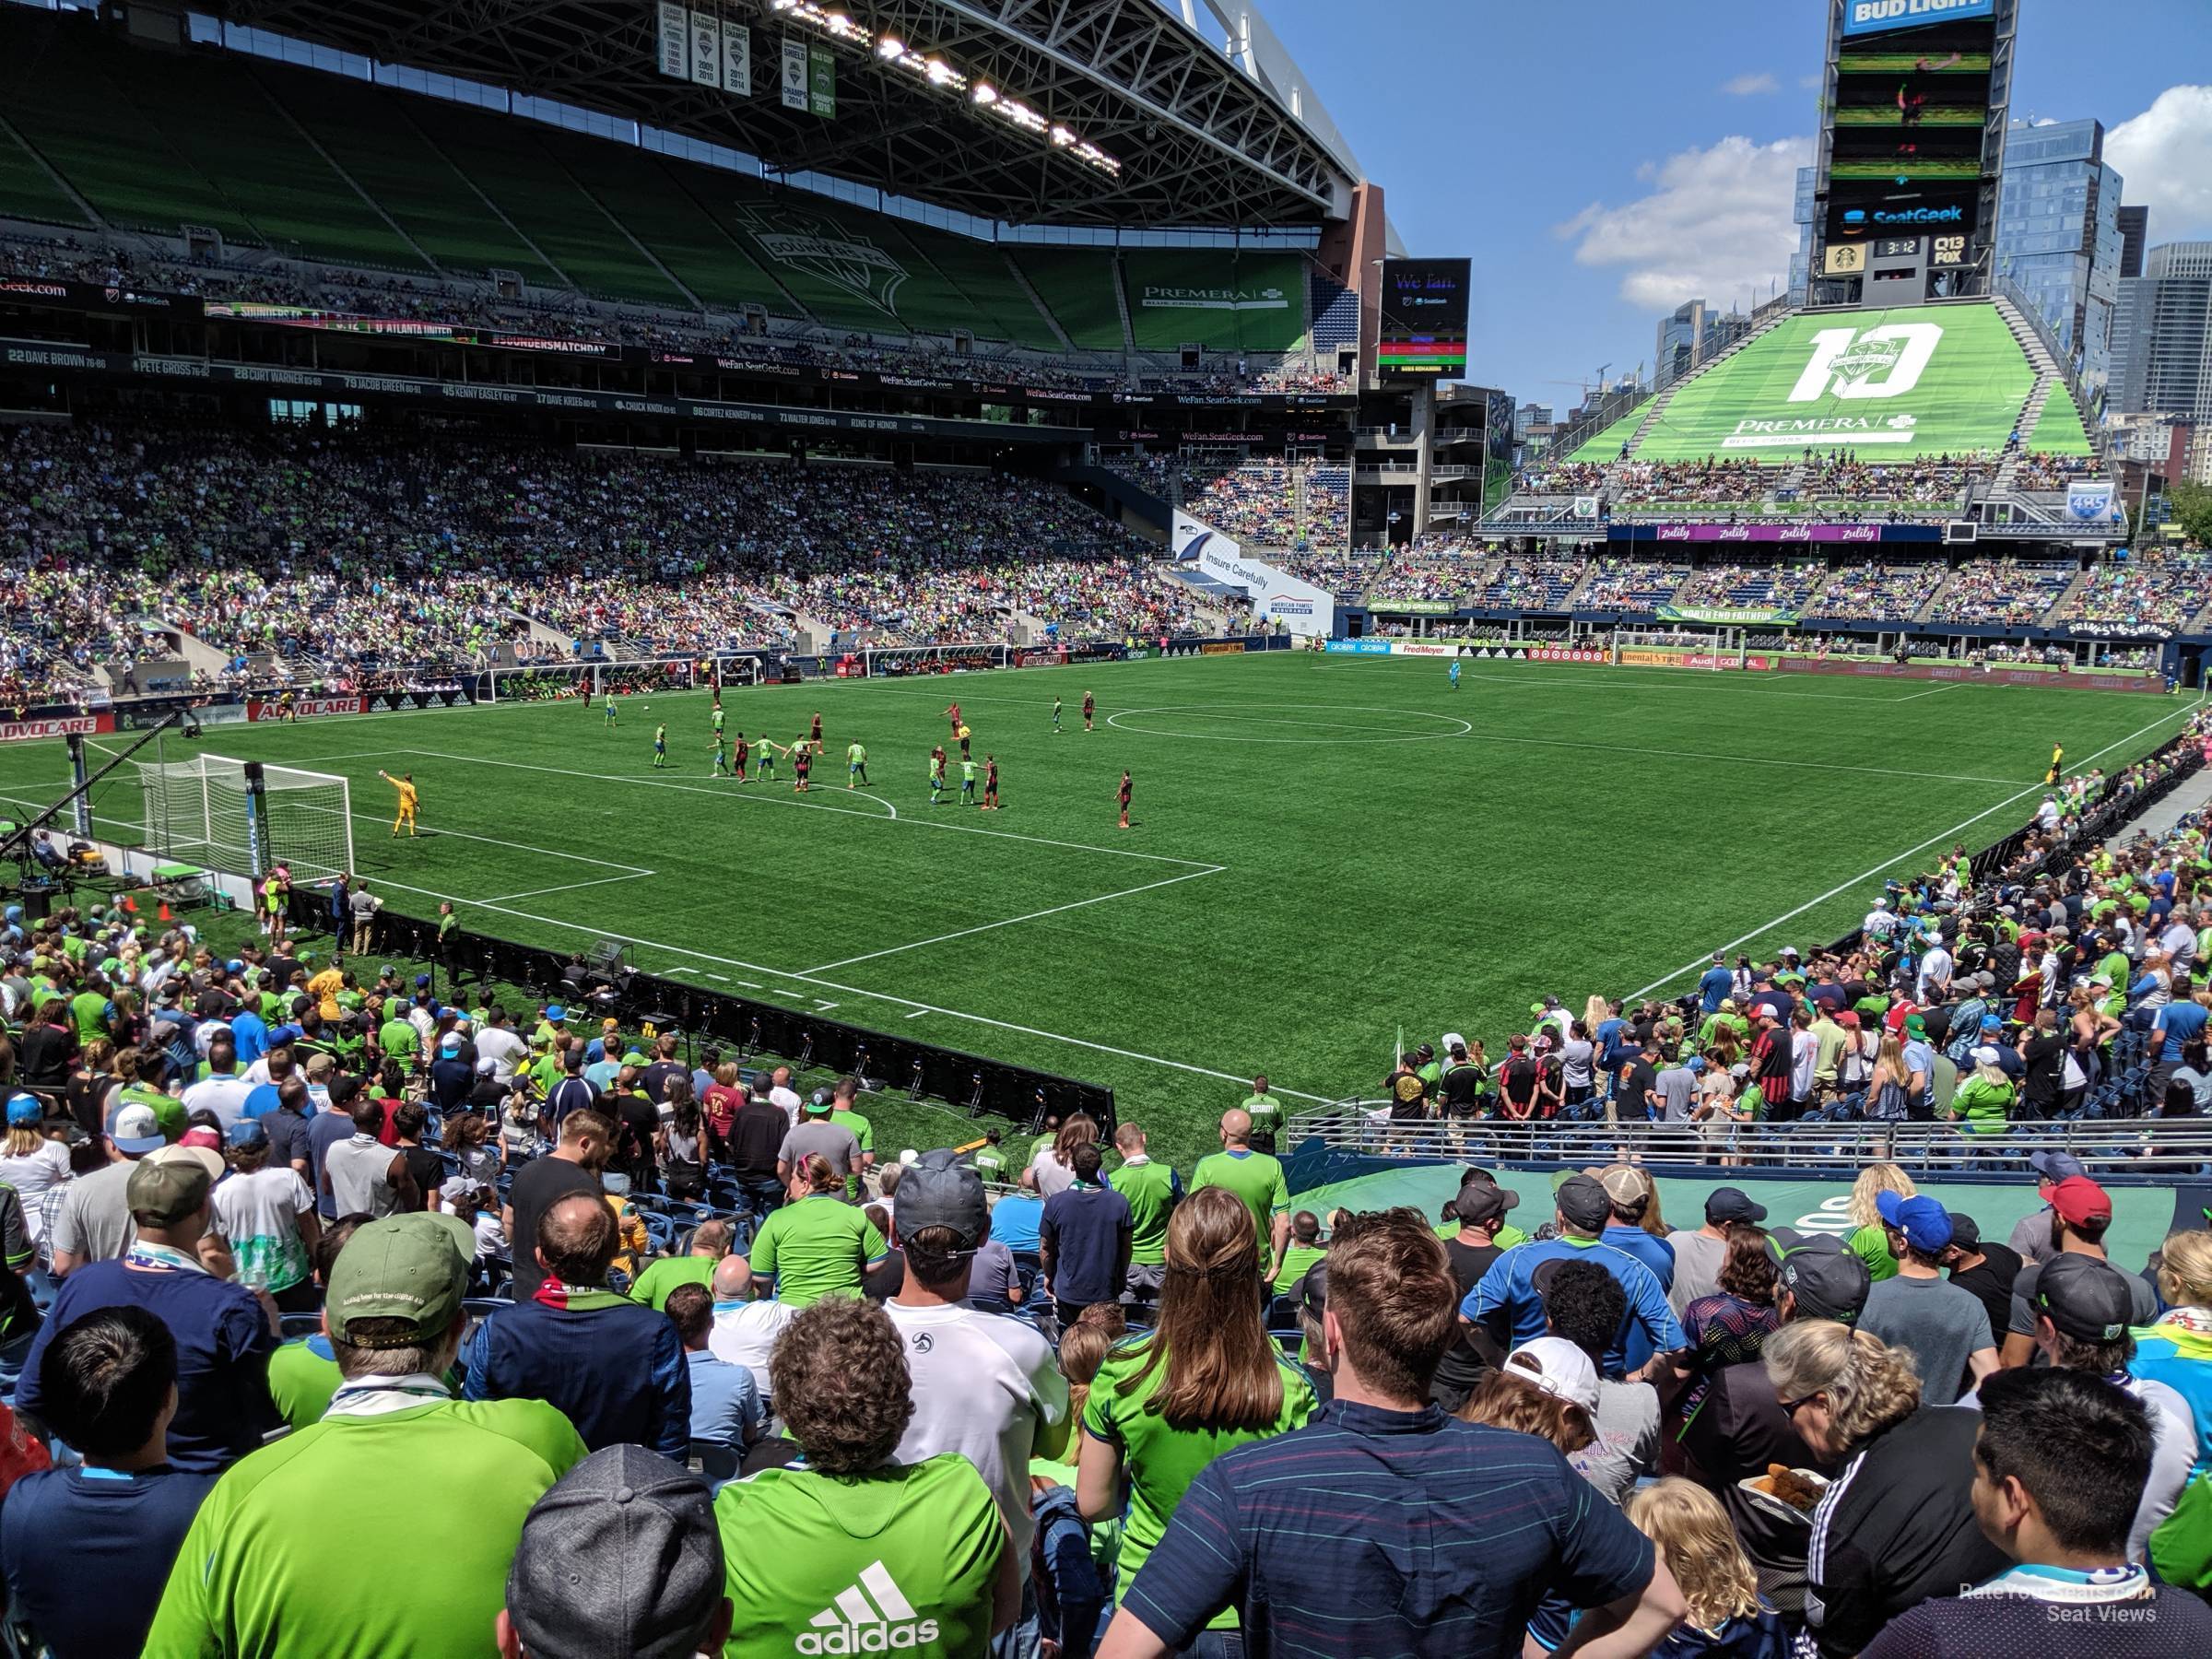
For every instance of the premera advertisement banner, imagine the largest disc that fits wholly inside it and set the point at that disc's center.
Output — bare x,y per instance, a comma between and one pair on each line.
1872,17
1880,385
1276,594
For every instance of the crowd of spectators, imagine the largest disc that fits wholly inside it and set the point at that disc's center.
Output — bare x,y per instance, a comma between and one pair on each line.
1550,477
1873,592
1619,582
1936,481
2002,593
1784,586
2045,472
304,555
1711,481
2150,592
1532,583
729,1372
270,280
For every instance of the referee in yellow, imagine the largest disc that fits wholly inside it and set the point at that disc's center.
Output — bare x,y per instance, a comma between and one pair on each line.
406,785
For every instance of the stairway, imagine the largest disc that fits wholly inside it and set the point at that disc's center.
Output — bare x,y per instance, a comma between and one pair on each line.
2065,597
1021,281
1120,304
2047,377
1658,405
1928,606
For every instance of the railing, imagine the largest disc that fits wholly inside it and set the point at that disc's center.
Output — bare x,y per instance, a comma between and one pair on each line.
2141,1149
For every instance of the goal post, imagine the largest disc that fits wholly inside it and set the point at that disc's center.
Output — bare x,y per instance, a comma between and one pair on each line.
243,818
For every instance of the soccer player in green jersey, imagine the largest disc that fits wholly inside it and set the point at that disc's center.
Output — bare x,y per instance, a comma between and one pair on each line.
856,765
766,752
1055,715
660,747
609,701
967,783
718,714
937,775
722,759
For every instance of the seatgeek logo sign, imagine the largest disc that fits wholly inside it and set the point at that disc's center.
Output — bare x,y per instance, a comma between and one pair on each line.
1851,366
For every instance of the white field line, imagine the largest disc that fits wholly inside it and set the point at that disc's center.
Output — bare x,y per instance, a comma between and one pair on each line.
493,841
1826,766
1845,886
565,887
1932,691
902,1001
1012,921
777,800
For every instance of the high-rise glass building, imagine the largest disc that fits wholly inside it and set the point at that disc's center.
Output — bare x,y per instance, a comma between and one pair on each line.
2164,364
2058,236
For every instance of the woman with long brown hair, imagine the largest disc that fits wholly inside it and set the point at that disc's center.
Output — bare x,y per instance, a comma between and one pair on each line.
1207,1378
1054,1166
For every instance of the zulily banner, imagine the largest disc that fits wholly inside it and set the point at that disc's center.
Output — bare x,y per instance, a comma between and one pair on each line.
1276,594
1773,533
1871,16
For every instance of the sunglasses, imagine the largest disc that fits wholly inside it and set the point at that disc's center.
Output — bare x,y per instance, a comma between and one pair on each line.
1791,1407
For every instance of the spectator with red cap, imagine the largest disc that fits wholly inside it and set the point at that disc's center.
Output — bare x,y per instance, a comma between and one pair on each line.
2030,1238
2080,1213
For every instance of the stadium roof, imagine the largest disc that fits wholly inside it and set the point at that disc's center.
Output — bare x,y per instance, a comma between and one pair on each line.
1133,118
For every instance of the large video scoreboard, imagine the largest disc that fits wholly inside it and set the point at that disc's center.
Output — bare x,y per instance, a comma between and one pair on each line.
1911,111
1424,332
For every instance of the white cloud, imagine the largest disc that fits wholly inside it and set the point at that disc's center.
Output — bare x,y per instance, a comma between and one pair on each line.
1715,224
2165,155
1750,86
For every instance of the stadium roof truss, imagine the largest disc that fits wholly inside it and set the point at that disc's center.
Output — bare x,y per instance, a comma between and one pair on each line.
1200,142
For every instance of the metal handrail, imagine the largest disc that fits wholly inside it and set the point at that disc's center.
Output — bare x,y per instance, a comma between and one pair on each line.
2122,1149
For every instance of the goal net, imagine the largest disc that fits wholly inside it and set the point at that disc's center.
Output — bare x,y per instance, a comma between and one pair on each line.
203,811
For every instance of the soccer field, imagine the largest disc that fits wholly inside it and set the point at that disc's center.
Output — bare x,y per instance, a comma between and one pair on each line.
1324,849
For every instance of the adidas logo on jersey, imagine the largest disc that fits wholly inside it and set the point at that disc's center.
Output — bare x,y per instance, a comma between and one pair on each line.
856,1624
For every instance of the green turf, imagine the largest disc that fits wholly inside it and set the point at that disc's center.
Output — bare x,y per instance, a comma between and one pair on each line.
1320,853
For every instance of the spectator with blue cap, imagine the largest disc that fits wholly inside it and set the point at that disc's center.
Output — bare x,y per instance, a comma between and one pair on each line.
1943,1325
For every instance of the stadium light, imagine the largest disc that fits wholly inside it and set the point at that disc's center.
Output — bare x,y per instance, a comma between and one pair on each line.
894,53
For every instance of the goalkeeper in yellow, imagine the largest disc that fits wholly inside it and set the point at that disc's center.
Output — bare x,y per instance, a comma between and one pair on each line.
406,785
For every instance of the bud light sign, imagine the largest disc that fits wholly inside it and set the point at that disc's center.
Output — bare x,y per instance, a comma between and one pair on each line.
1871,16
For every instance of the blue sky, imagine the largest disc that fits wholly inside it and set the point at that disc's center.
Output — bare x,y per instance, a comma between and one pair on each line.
1603,161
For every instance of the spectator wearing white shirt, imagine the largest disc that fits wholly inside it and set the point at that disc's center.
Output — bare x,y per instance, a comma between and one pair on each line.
985,1385
780,1093
744,1330
500,1043
222,1092
1935,974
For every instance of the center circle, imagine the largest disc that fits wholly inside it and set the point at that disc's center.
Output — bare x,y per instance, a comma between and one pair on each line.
1294,724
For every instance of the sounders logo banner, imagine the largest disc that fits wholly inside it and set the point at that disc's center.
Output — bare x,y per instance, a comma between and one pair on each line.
1850,365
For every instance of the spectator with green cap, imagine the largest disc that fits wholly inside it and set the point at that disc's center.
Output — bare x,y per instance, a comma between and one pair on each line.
224,1332
393,1439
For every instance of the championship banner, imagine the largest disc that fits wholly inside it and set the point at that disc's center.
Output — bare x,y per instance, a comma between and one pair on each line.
795,74
1302,607
55,725
821,80
706,50
674,40
1752,616
304,708
737,59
